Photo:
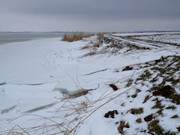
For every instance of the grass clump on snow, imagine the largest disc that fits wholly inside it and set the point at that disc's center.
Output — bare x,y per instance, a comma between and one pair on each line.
74,37
139,120
122,125
136,111
155,128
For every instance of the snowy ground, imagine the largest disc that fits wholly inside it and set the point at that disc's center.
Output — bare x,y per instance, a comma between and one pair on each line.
30,71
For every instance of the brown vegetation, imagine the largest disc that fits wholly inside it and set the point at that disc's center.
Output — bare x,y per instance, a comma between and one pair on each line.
74,37
168,92
122,125
136,111
139,120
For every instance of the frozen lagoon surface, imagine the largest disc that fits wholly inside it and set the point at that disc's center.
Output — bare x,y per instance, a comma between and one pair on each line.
30,70
9,37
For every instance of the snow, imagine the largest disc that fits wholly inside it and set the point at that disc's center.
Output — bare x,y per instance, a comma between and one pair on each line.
144,33
32,69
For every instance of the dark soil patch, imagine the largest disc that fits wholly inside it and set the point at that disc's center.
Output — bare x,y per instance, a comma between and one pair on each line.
167,92
139,120
164,91
175,116
111,114
122,125
172,107
114,87
158,106
136,111
127,68
154,128
145,76
178,128
149,118
134,95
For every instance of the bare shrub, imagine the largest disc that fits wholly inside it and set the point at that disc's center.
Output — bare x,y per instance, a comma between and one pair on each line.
75,37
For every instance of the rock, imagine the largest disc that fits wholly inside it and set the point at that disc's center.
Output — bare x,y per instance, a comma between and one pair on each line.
149,118
111,114
114,87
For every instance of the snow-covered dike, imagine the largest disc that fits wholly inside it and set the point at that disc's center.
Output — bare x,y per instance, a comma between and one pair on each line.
34,73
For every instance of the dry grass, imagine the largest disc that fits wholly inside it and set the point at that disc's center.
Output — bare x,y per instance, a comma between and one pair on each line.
93,46
97,44
75,37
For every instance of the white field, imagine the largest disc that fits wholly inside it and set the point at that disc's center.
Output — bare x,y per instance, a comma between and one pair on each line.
31,70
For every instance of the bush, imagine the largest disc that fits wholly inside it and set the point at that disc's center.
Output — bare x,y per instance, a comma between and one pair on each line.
74,37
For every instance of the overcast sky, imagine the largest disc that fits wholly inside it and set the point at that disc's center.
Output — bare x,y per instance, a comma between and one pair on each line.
89,15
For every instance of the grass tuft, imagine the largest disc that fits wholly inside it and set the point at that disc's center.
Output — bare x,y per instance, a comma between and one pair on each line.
136,111
74,37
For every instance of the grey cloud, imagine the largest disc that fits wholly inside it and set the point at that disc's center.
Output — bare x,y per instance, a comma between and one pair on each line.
95,7
60,13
